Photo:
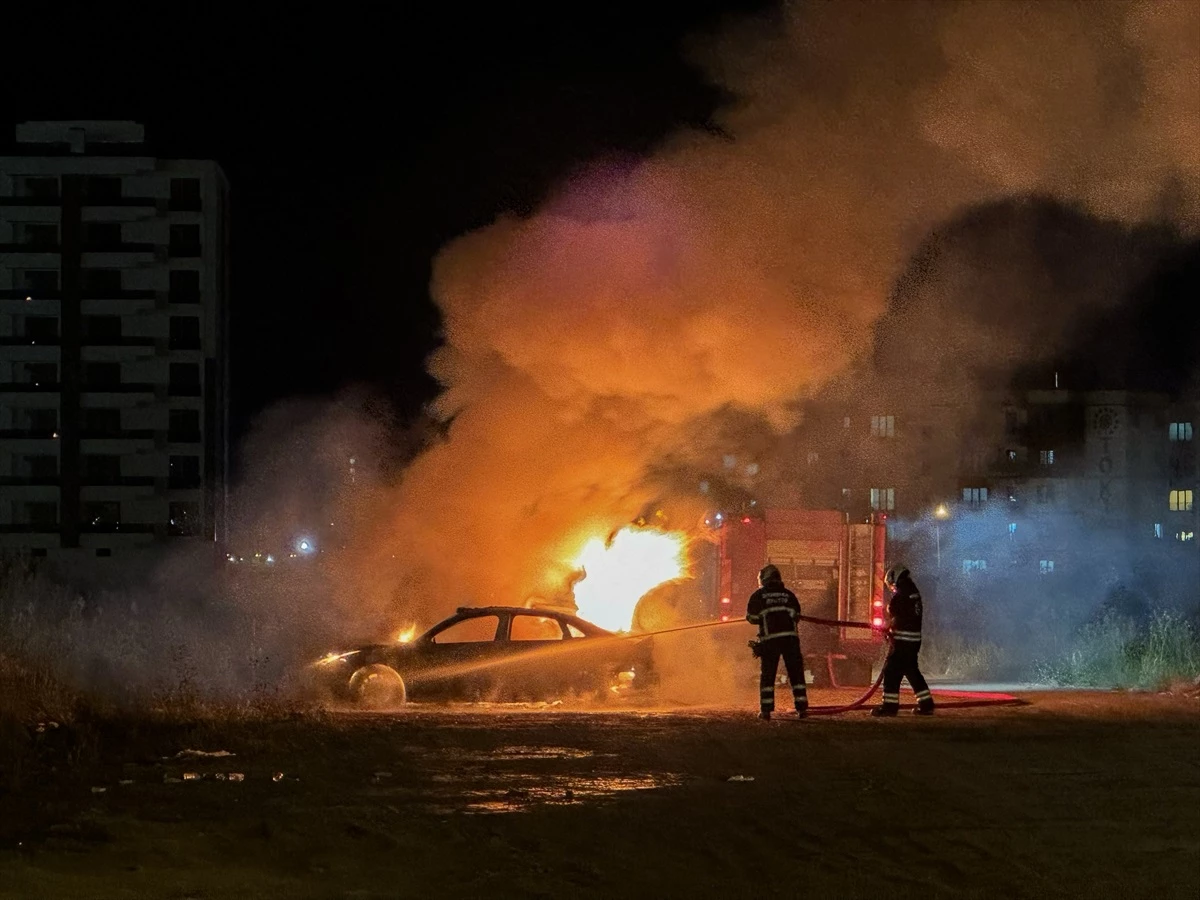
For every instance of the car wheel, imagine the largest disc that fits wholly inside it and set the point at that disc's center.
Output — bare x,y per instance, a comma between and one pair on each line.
378,687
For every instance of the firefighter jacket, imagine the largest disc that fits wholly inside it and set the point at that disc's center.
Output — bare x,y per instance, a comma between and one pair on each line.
904,611
775,610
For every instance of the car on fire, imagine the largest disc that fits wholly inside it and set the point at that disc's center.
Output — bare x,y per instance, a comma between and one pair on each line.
490,653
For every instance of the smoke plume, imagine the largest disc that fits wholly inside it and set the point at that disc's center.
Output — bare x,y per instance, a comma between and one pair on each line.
739,273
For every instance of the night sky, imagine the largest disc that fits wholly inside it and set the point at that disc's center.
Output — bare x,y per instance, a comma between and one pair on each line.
357,145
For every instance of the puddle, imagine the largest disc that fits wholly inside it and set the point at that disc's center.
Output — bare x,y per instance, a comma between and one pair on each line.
516,753
518,793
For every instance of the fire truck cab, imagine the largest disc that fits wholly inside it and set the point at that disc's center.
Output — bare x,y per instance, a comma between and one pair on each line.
834,567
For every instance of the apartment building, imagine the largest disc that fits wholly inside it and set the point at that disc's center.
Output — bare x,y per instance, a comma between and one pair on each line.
114,375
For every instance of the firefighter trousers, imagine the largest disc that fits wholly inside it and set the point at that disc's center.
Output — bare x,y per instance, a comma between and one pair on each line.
789,649
901,663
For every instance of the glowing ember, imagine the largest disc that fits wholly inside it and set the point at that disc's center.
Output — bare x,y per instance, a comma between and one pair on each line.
620,573
407,634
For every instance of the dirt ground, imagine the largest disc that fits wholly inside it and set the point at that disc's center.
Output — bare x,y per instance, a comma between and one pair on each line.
1072,795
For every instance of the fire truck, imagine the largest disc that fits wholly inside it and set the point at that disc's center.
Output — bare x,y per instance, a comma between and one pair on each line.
835,568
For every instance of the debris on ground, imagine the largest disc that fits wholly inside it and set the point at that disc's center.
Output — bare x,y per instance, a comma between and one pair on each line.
192,776
740,778
278,776
236,776
99,790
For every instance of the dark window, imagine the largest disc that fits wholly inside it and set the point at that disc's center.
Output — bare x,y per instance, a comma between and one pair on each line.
101,468
185,379
184,518
102,235
185,285
41,328
185,240
103,189
185,471
40,235
42,513
102,421
41,188
42,420
102,329
185,193
41,281
185,333
44,466
101,282
469,631
101,513
101,375
184,425
41,374
104,551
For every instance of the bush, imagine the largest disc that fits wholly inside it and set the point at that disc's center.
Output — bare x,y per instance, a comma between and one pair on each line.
1116,652
949,655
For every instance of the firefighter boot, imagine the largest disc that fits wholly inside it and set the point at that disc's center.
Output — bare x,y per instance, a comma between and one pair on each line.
765,715
924,702
885,709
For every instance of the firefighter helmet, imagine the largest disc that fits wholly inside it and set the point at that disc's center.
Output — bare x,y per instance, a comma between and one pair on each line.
894,574
767,574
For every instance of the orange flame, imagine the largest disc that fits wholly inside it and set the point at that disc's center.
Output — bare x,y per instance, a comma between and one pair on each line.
621,571
407,634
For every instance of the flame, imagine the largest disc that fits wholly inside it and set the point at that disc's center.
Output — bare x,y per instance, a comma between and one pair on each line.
407,634
619,572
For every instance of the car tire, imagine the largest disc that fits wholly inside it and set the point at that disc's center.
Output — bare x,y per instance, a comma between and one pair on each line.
378,687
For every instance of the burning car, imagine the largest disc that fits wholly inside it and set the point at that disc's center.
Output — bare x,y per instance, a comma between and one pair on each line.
494,653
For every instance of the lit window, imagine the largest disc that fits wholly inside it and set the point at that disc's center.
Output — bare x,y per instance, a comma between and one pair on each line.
1181,501
845,495
1012,455
1158,530
813,458
1046,566
846,422
1185,536
1012,529
1045,493
975,496
883,498
974,565
1180,431
1046,457
883,426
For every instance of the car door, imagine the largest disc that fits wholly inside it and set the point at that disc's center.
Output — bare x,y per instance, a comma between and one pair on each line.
461,657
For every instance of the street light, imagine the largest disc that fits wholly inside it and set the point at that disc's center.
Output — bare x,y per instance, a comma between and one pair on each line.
941,513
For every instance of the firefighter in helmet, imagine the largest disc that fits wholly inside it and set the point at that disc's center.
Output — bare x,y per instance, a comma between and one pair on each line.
775,610
904,630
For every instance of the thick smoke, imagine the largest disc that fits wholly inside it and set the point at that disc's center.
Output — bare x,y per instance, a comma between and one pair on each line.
584,343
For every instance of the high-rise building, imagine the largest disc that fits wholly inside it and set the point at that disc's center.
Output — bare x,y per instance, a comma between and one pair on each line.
114,373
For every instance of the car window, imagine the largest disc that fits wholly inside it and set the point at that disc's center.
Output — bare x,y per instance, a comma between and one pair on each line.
575,632
535,628
468,631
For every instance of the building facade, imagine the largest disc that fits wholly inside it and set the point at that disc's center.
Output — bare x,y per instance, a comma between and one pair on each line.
1046,488
114,373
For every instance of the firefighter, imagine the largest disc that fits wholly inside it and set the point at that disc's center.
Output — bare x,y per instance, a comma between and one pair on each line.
775,610
904,630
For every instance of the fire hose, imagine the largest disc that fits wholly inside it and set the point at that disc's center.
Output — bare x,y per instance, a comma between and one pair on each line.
961,699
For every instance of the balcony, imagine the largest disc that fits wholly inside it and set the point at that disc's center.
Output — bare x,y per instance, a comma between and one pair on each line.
44,387
26,341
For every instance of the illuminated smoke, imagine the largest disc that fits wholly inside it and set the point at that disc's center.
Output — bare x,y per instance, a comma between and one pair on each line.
584,343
